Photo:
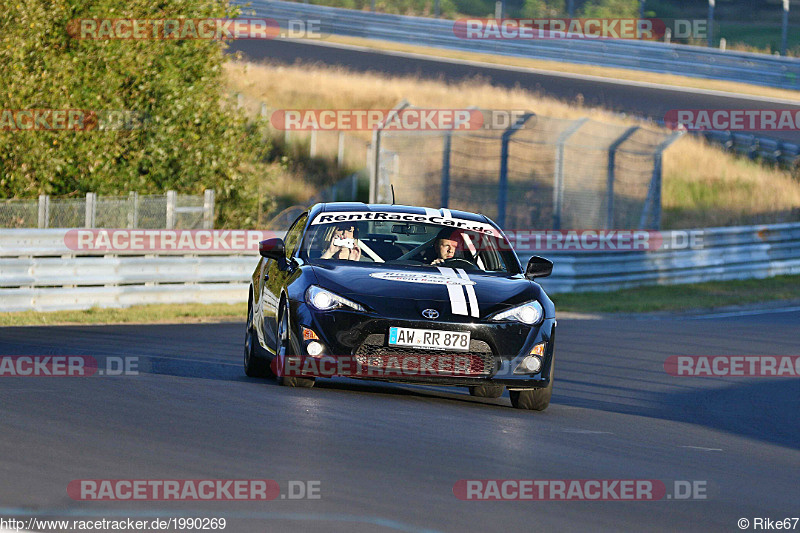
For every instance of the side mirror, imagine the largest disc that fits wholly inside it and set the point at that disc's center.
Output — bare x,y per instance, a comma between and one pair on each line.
538,267
272,249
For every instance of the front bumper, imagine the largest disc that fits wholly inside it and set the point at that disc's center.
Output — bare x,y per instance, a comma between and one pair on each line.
356,345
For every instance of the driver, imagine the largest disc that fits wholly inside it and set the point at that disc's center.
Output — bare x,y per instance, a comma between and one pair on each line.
343,243
447,242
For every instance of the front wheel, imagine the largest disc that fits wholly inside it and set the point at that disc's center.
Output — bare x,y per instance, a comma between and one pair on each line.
284,351
536,399
254,366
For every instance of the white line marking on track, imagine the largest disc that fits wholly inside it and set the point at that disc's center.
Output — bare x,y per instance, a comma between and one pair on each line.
746,313
703,448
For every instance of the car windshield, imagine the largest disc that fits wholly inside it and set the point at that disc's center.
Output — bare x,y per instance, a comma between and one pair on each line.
408,239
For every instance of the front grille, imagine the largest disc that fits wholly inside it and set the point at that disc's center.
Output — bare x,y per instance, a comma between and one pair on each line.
374,353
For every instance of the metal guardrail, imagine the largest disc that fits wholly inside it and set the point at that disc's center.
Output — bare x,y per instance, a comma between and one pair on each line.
768,149
700,62
39,272
740,252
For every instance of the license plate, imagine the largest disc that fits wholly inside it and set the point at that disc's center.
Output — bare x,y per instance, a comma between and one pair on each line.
430,339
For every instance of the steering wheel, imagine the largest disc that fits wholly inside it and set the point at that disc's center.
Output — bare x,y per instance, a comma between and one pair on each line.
458,262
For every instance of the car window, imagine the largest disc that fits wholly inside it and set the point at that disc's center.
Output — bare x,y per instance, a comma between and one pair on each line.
292,239
411,240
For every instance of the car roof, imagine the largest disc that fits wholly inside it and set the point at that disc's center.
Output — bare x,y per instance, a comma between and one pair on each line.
394,208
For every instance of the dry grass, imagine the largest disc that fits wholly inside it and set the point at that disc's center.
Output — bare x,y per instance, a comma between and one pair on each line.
703,185
574,68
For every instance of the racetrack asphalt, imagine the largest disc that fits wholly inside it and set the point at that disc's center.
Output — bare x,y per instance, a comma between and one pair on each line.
649,101
387,456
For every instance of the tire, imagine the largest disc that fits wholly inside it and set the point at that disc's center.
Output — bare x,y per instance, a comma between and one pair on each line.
536,399
254,366
487,390
284,350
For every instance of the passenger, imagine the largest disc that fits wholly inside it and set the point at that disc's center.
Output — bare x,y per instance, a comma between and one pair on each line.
343,243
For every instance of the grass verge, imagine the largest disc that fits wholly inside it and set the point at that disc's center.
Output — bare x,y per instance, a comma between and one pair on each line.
707,295
138,314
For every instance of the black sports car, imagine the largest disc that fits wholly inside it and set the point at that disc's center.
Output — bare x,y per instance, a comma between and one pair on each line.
404,294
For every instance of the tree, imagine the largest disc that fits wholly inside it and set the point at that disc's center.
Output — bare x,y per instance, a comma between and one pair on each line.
189,139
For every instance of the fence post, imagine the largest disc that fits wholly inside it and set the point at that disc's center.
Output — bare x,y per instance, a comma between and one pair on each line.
502,186
558,179
711,23
654,190
784,26
133,210
448,139
208,208
91,209
375,160
44,211
612,154
172,200
340,151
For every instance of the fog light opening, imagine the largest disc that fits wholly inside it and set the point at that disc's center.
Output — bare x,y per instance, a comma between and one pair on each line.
531,364
314,348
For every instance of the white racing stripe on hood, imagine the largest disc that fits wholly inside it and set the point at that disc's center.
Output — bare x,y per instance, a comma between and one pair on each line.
431,212
458,302
473,298
446,213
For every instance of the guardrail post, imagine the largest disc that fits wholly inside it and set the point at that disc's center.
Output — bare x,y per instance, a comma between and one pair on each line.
340,151
502,185
558,178
208,208
448,139
172,200
654,190
612,154
91,209
133,209
44,211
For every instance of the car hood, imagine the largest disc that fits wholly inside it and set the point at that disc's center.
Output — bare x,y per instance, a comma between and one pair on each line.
406,291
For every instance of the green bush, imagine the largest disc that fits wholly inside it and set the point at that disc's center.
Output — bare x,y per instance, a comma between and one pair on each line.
193,137
543,8
610,9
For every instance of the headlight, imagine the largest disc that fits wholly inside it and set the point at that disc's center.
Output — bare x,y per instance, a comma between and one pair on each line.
529,313
323,300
